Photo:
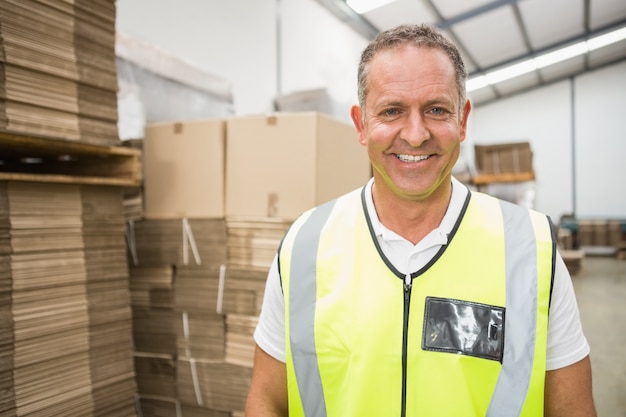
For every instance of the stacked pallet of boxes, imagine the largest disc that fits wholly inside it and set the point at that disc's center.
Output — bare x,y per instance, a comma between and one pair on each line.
179,251
65,315
505,170
600,236
568,244
248,178
620,251
277,167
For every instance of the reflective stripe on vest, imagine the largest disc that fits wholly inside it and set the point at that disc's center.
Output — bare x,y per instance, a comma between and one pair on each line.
520,329
302,292
519,349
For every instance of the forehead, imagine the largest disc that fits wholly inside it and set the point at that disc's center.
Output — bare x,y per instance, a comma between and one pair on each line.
413,59
409,68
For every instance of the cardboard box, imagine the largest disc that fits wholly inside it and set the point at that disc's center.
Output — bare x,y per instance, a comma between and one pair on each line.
283,164
620,250
184,169
616,228
600,232
573,260
586,233
503,158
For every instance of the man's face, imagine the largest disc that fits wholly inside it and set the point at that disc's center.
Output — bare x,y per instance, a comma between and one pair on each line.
412,126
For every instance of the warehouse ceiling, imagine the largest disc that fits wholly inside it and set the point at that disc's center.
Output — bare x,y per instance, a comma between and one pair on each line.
493,34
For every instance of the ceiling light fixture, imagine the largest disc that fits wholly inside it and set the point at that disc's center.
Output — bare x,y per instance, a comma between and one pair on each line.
364,6
544,60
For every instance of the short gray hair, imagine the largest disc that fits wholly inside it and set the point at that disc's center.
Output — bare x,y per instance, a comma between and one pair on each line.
423,35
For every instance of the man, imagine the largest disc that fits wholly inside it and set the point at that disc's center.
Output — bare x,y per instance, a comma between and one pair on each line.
414,296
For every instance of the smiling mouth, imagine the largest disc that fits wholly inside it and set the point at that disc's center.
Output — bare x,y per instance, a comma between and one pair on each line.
412,158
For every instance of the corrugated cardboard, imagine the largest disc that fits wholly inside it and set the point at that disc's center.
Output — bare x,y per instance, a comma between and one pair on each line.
503,158
184,169
283,164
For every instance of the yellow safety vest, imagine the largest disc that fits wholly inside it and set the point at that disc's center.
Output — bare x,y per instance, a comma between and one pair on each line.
463,336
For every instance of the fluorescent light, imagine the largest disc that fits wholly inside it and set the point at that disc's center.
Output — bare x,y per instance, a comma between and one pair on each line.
476,83
511,71
561,55
363,6
544,60
609,38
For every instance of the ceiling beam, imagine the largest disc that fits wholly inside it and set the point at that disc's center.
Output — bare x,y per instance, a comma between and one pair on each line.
453,36
587,25
343,12
551,82
459,43
445,23
569,41
522,27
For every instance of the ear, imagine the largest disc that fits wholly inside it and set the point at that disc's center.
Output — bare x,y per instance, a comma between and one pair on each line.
357,118
465,115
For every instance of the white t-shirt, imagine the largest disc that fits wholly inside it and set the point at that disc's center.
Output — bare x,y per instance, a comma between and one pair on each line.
566,342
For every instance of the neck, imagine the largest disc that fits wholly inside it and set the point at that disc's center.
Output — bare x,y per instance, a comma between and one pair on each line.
411,219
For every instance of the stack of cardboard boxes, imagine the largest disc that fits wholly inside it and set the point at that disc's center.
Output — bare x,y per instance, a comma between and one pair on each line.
581,237
599,233
255,174
504,158
65,318
621,250
505,170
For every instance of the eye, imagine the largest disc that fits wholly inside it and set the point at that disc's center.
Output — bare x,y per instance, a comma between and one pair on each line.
437,111
391,112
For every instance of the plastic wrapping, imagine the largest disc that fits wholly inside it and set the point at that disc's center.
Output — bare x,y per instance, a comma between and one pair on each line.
521,193
157,87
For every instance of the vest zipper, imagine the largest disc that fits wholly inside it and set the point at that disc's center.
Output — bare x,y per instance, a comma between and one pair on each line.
408,283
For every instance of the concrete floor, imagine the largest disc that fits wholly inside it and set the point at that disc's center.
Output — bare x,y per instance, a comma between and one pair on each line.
601,293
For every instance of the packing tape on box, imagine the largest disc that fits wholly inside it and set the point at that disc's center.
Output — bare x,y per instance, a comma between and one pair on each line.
186,333
179,411
220,289
196,384
129,232
192,361
272,204
138,406
189,241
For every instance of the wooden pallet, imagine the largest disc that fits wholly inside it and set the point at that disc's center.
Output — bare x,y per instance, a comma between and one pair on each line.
482,179
42,159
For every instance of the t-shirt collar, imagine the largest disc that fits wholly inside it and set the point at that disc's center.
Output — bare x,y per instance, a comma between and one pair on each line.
438,235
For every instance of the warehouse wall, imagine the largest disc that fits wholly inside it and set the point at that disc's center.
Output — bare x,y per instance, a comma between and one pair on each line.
601,142
576,132
543,118
572,125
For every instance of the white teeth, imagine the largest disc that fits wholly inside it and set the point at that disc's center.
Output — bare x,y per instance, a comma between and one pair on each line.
412,158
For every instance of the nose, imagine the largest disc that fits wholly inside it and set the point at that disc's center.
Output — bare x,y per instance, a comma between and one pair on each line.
415,131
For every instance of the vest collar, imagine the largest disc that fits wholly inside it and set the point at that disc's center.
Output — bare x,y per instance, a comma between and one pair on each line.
439,235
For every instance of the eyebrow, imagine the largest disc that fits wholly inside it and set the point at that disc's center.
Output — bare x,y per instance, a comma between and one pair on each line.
438,100
441,101
393,103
